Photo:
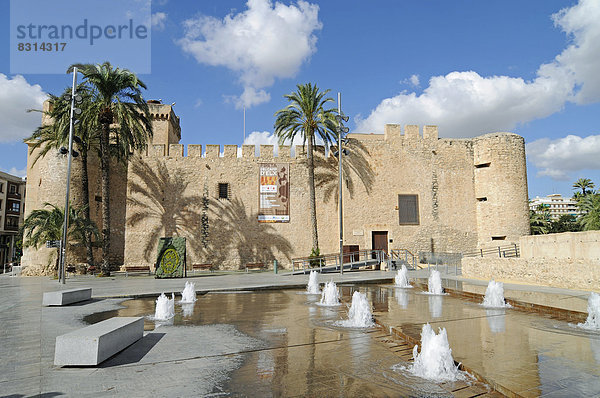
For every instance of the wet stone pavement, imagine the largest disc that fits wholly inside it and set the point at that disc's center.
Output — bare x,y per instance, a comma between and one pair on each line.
291,347
281,343
525,354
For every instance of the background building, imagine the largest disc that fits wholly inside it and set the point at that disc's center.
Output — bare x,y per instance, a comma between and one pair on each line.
405,189
12,201
556,205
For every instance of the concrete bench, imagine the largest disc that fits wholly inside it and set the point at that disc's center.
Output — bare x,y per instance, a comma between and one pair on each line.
65,297
257,266
95,343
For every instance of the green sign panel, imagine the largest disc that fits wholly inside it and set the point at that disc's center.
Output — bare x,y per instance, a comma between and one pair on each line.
171,258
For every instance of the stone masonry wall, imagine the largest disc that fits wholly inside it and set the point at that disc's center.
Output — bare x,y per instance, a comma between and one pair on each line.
563,273
566,245
165,190
161,194
500,188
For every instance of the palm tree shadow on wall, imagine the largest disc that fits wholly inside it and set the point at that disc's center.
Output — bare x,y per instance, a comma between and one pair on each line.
159,198
355,165
236,232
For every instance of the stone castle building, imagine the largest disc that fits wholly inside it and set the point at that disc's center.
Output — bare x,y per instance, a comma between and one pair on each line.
405,189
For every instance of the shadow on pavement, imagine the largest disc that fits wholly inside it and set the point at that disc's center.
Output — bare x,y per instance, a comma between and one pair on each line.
135,352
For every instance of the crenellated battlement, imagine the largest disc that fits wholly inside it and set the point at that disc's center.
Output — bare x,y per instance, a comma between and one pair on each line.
267,153
393,132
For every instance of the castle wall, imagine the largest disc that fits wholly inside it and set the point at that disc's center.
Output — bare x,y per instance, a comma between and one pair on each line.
47,181
162,193
440,171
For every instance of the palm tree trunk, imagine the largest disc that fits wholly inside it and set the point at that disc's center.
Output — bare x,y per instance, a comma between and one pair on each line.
86,203
311,186
104,164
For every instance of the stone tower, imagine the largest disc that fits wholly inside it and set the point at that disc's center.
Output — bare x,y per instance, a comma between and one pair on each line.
500,188
47,176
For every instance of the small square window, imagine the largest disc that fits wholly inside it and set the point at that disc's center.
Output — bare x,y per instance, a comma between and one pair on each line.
223,190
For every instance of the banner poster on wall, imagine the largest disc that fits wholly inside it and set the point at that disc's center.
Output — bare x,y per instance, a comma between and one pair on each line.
274,192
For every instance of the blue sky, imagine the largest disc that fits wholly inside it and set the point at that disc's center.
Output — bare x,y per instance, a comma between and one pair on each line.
470,67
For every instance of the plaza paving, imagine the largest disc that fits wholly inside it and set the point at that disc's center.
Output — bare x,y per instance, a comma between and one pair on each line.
162,366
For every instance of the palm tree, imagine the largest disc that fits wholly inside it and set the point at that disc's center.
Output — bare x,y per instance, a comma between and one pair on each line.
124,120
583,184
590,208
42,225
307,117
540,220
56,134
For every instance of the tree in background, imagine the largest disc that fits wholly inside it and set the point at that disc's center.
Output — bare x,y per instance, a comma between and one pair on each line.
590,211
56,134
565,223
125,126
585,184
307,117
540,221
42,225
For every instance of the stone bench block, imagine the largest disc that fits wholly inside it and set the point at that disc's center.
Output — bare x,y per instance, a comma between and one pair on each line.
64,297
95,343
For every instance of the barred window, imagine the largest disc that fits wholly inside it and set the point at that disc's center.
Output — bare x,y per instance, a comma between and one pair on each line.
408,209
223,190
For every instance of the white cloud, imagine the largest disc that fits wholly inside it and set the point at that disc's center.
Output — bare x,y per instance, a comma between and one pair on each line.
158,20
557,158
16,97
16,172
413,80
581,59
250,97
258,138
198,103
465,104
266,42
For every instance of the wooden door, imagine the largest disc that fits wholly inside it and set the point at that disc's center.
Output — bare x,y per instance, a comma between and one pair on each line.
380,240
351,257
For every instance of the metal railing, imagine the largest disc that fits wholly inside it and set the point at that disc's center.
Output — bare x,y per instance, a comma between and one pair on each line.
512,250
448,262
403,256
332,261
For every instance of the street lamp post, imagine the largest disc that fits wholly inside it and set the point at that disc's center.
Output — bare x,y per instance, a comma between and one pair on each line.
63,242
341,131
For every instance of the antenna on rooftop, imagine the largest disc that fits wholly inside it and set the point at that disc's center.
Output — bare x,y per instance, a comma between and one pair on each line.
244,124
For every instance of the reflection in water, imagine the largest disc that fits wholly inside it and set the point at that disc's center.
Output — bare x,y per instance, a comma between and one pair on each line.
495,320
435,306
595,344
265,365
188,309
402,298
360,345
307,356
